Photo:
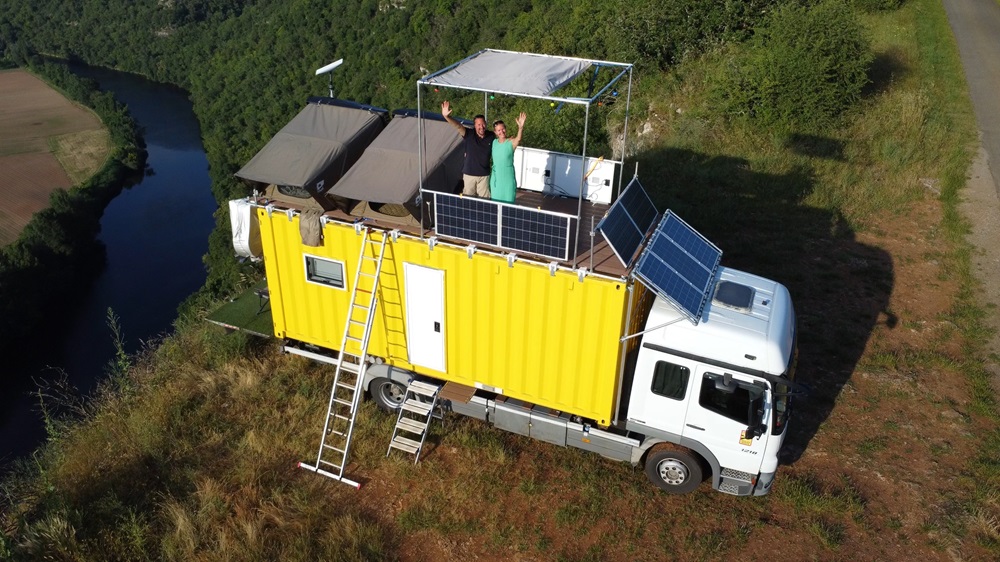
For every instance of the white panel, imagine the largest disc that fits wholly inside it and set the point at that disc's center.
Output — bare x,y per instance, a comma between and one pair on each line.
424,316
555,173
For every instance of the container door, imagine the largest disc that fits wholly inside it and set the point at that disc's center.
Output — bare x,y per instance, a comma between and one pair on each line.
424,316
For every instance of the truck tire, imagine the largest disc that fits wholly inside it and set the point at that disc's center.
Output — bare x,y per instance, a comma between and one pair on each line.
674,470
387,393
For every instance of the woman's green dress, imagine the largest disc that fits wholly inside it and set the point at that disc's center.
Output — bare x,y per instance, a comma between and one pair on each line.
502,181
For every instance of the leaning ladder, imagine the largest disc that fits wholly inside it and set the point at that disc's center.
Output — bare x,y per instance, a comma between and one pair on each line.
419,407
338,428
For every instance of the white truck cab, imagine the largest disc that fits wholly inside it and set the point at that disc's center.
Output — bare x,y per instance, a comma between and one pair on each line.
715,387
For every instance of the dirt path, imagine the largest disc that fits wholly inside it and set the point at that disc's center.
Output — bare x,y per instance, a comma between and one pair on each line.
976,25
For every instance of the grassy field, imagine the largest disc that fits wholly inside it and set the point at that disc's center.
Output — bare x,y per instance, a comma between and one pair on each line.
46,142
189,452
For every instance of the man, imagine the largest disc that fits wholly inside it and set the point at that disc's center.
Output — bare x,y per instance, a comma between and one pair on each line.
477,143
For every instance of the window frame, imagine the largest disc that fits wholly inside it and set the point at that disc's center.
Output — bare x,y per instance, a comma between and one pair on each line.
687,380
330,285
708,379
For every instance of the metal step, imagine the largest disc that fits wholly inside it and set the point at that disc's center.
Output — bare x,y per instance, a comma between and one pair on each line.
423,388
417,407
411,425
404,444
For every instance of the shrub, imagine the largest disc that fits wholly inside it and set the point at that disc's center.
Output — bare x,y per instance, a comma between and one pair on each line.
877,5
666,31
806,66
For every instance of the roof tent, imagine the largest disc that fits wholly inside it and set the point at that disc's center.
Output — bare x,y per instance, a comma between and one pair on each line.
537,76
315,149
389,169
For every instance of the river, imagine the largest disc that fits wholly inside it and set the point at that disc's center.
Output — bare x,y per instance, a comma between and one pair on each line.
155,232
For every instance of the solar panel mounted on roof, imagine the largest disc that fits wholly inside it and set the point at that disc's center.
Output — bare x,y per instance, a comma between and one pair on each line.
467,218
679,264
505,226
627,221
542,233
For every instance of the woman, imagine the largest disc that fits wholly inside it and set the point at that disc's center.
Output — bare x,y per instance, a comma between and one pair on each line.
502,181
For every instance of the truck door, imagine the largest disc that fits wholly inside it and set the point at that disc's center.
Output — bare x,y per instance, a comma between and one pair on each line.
660,390
424,316
721,408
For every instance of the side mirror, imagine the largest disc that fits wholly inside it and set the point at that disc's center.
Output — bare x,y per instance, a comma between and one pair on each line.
725,384
755,417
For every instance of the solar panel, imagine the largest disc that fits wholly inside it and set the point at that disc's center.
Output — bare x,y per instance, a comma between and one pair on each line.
627,221
679,264
504,226
537,232
467,218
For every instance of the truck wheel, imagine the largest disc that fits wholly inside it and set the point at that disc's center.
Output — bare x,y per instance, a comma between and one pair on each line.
674,471
387,393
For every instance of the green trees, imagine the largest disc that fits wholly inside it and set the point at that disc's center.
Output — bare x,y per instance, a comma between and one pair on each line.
805,66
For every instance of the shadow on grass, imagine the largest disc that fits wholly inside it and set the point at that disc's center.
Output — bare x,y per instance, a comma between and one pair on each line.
886,68
840,286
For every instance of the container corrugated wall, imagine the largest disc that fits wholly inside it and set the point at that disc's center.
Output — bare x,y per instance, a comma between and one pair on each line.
549,339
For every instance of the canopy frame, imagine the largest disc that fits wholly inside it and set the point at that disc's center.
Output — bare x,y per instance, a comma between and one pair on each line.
438,79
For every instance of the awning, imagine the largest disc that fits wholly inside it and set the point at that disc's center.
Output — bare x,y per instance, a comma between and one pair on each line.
524,74
316,147
389,170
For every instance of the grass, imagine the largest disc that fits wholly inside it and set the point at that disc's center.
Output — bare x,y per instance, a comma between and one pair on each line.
191,456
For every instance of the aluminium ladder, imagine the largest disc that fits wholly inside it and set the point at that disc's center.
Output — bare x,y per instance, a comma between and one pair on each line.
419,407
338,428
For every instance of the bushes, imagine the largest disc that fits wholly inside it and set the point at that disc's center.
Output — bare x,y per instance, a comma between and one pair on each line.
805,66
665,31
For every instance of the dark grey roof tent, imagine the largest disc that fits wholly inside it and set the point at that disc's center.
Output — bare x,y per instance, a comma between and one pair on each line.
386,179
313,151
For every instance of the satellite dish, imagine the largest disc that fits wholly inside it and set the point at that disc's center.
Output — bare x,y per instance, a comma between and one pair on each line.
328,69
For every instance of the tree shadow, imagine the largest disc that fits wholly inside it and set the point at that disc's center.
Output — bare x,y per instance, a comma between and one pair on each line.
816,146
840,287
886,68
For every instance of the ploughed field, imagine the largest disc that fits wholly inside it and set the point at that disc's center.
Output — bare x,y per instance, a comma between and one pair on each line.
46,142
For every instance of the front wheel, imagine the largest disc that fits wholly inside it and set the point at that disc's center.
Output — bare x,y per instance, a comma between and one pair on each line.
387,393
674,471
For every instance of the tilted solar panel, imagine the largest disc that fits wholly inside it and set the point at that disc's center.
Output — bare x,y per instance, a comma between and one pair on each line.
679,264
627,221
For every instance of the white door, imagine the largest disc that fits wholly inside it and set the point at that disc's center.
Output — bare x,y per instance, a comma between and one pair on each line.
424,316
719,419
660,391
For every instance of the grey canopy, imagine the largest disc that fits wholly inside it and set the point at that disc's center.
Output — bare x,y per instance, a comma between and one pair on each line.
389,170
524,74
316,147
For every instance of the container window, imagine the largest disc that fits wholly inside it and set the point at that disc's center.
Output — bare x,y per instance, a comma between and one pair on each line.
670,380
325,272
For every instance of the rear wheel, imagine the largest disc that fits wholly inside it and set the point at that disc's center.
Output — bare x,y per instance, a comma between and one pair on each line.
387,393
674,470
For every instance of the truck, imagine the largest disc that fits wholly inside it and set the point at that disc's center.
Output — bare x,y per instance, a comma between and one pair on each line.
629,340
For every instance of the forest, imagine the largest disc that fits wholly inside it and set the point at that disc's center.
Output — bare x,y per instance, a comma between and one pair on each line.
799,127
249,65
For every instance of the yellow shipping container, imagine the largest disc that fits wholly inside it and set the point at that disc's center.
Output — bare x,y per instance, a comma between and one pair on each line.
518,328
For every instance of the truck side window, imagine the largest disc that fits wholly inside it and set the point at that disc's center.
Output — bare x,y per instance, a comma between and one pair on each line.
733,404
670,380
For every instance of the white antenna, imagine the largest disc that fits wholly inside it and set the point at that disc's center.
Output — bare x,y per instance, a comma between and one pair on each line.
329,69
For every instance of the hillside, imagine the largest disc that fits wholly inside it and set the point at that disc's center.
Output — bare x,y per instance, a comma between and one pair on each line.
189,452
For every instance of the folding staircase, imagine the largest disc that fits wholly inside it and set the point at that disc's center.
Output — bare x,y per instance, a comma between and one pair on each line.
419,407
345,395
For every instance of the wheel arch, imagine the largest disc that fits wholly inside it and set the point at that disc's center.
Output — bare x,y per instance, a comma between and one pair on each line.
383,371
706,456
